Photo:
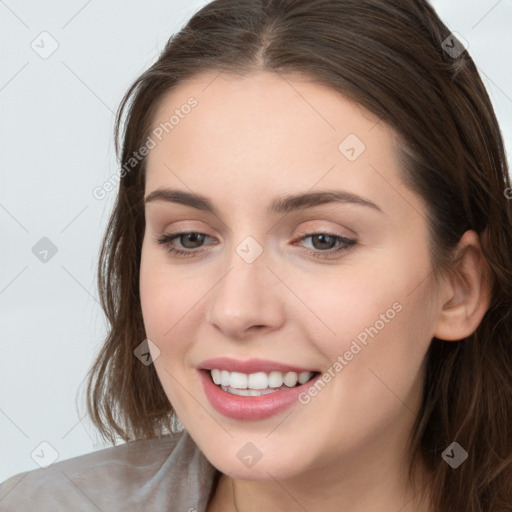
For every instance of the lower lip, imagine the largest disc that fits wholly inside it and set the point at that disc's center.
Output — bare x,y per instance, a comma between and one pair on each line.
251,407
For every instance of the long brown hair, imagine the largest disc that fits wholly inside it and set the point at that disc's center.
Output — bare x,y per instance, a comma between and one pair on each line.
394,58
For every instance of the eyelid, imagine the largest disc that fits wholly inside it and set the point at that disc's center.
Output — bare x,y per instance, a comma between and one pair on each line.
313,229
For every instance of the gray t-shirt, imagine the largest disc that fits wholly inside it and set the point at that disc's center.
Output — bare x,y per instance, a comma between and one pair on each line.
166,474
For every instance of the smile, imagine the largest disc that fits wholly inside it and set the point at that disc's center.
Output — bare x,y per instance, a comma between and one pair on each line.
259,383
255,389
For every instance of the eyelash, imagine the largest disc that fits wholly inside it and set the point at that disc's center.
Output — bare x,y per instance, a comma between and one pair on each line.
348,244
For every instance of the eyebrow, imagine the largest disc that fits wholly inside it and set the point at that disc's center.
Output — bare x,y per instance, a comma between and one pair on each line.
283,204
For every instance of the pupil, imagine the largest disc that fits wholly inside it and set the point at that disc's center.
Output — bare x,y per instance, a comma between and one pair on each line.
191,237
324,237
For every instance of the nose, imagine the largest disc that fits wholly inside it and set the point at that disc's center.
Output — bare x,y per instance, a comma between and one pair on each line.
246,301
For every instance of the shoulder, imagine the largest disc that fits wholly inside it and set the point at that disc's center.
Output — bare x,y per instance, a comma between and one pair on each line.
145,473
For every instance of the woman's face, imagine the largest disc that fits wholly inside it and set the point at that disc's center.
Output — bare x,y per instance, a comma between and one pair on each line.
263,289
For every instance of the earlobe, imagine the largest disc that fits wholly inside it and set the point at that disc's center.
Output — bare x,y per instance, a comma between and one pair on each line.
466,292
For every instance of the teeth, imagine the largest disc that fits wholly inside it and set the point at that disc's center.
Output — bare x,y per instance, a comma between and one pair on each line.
258,381
238,380
216,376
224,378
304,377
275,379
290,379
248,392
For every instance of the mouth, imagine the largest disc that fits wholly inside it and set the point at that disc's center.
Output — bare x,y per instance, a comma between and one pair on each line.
258,383
255,389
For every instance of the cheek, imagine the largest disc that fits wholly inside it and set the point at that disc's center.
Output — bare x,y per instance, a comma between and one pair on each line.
159,296
348,301
172,299
376,315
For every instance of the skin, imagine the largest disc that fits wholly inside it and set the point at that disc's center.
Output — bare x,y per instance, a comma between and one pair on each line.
250,139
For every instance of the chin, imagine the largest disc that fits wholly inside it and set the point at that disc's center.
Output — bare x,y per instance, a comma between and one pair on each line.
266,464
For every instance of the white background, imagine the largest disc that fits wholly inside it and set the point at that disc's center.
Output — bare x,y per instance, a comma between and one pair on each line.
56,126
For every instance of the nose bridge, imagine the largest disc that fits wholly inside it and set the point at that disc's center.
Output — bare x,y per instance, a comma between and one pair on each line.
246,296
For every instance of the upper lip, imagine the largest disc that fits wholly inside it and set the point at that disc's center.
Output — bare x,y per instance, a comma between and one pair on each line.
250,365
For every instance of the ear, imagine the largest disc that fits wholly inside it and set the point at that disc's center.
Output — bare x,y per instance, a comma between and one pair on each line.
466,291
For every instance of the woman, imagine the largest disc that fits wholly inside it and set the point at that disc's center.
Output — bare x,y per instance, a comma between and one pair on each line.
308,267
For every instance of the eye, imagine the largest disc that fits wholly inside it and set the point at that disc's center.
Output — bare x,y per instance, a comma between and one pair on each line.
334,244
187,239
324,244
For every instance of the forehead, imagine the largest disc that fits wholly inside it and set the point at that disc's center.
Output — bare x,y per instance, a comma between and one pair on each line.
262,99
261,132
